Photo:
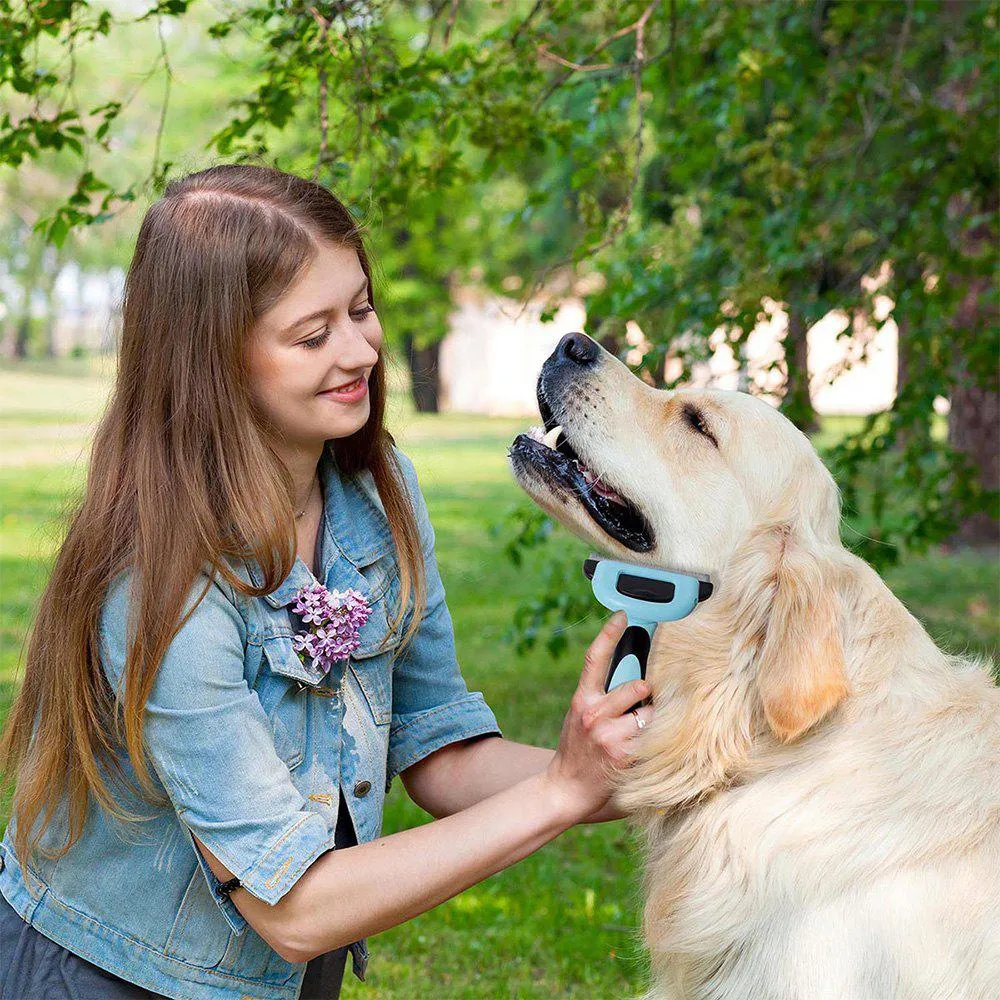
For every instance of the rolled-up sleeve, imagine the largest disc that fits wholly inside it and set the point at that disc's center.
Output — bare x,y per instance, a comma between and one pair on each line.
211,745
431,704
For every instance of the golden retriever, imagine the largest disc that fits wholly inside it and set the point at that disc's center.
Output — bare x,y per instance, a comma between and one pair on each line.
820,785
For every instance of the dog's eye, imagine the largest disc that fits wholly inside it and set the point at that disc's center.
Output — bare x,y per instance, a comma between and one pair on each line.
696,422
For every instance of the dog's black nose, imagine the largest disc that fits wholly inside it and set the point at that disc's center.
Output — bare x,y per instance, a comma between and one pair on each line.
578,348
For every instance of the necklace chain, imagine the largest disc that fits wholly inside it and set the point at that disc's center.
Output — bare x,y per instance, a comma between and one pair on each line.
308,498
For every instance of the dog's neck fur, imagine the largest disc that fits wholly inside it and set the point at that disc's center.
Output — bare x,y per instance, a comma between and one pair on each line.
710,729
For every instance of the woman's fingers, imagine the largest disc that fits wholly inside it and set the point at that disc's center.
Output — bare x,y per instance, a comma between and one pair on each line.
619,735
623,697
614,704
601,705
598,656
596,736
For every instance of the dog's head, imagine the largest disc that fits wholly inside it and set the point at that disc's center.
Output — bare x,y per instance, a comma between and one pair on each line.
703,481
669,479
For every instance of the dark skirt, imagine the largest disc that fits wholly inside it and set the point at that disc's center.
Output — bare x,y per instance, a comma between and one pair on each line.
33,967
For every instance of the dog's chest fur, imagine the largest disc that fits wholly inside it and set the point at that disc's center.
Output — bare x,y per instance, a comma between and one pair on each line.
855,870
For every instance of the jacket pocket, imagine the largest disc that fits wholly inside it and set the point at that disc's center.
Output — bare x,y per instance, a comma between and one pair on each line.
200,933
249,956
381,587
280,689
374,676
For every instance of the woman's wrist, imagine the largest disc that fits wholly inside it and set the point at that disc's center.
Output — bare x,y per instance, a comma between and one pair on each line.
568,809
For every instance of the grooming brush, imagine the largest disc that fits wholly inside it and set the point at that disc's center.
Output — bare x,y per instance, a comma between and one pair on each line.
647,596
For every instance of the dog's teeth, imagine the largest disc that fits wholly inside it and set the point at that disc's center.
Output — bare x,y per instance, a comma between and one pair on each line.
552,438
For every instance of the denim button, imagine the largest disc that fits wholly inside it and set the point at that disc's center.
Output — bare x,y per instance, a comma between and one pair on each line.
362,788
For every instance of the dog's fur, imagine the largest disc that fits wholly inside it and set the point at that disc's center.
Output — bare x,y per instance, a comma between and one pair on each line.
820,785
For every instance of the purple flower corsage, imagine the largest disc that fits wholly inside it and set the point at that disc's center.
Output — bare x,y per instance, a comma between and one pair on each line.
334,618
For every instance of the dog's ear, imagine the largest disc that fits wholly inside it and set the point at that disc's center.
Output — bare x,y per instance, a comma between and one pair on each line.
791,622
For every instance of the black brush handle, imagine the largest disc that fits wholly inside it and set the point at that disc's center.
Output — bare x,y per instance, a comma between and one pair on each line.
634,642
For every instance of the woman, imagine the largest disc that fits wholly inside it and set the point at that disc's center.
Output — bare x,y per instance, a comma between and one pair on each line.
204,736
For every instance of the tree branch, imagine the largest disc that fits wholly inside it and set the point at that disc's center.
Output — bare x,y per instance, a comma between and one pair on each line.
451,21
625,209
634,28
431,25
526,23
168,79
543,51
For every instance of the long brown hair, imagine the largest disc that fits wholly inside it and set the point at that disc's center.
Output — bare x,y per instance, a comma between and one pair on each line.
182,473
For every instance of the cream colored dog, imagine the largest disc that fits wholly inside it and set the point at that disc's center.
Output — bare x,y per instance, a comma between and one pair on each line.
820,786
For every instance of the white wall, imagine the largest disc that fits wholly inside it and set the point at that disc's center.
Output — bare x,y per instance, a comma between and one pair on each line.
492,355
490,360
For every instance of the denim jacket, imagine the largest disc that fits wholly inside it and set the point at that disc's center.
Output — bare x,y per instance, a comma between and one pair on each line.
251,750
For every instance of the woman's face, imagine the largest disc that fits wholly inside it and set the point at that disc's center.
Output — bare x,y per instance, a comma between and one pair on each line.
311,353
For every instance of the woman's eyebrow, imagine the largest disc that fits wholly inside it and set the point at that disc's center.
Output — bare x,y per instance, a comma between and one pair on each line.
321,312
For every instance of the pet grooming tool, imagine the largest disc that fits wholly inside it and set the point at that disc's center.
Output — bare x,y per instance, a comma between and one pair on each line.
648,597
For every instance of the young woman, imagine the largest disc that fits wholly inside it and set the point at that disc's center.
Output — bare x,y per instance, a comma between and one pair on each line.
198,791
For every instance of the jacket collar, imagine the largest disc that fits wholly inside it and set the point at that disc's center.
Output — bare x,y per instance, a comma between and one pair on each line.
300,576
353,516
354,526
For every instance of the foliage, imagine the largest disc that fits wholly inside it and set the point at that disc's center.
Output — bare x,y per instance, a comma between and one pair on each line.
561,599
53,120
708,160
417,116
815,144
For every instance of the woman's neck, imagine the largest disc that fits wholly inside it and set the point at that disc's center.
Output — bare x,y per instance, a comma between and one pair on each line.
307,529
303,466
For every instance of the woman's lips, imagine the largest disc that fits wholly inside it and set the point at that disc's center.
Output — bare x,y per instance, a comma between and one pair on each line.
350,393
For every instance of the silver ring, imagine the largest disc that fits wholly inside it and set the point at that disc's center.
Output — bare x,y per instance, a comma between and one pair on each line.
639,722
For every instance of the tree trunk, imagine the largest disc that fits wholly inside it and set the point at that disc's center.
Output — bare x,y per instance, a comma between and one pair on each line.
425,377
80,327
911,354
796,404
29,281
974,423
974,418
22,334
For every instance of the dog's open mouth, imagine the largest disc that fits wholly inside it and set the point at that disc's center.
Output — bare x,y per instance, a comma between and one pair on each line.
549,453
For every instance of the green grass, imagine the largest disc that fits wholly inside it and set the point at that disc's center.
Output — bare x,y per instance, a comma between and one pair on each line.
561,922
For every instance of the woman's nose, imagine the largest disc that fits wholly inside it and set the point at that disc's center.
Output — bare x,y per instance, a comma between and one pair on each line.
358,351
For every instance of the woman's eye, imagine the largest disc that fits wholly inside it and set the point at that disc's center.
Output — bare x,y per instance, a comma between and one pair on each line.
315,342
321,339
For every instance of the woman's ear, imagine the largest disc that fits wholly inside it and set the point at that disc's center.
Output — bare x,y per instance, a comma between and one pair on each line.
798,659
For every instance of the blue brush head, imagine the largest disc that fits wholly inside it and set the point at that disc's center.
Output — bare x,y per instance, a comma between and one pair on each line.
646,595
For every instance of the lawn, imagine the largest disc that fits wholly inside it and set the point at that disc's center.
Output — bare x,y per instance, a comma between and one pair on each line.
563,921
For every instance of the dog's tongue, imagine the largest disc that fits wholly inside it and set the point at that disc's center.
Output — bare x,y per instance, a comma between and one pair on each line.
598,487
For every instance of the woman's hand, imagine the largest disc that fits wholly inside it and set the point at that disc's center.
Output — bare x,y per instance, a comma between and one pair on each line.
598,733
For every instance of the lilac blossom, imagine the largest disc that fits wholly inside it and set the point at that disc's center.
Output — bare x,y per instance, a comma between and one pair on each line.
335,617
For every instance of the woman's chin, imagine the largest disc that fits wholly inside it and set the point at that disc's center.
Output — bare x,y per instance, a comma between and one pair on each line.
347,426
